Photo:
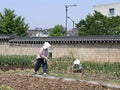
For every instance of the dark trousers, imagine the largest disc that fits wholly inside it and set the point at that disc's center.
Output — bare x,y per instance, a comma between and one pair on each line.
38,64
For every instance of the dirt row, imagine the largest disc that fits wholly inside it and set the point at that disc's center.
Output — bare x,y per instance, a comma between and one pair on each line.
25,82
7,68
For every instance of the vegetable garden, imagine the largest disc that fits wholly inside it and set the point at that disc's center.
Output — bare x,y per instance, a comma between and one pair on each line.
62,68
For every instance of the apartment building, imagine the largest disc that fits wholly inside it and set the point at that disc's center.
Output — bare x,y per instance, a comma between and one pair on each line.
112,9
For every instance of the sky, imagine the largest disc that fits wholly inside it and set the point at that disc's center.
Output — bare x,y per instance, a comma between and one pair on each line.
48,13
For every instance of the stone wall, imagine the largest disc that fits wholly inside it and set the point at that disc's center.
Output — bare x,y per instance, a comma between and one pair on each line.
83,51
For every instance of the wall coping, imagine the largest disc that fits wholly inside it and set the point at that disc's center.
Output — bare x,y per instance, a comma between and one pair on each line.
68,39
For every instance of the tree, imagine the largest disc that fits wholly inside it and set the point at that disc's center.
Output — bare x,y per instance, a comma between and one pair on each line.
98,24
10,23
57,30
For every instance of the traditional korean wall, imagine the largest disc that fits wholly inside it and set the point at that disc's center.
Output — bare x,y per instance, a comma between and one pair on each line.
84,51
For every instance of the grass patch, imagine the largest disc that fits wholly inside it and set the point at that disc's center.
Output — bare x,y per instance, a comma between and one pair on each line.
5,87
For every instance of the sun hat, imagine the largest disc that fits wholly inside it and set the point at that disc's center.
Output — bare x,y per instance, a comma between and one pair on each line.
46,45
77,61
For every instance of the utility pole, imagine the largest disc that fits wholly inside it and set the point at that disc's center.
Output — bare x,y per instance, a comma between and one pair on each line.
66,9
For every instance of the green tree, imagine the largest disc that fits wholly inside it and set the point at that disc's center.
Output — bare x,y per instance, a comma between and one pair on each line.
57,30
98,24
114,25
10,23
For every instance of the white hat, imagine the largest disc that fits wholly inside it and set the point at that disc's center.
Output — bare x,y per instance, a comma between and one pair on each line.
46,45
77,61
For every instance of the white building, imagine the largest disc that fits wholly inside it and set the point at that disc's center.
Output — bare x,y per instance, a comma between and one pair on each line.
108,9
38,32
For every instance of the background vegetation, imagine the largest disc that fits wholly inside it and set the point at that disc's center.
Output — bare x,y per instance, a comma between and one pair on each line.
57,30
98,24
10,23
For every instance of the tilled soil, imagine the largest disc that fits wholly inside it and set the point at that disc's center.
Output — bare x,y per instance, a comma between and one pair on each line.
27,82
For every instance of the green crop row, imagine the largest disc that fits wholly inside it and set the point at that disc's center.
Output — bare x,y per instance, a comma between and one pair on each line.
64,65
16,60
107,69
61,64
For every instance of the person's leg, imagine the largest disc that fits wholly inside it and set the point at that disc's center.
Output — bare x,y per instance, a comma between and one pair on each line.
45,66
37,65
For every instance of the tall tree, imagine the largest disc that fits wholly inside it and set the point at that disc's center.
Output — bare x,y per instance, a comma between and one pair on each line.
98,24
57,30
10,23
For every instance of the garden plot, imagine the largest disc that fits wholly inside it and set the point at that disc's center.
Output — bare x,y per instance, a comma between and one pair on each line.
29,82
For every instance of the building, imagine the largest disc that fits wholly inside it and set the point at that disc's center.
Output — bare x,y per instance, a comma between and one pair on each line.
108,9
38,32
73,32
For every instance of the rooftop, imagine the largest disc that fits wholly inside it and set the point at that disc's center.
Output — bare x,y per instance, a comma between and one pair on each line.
93,38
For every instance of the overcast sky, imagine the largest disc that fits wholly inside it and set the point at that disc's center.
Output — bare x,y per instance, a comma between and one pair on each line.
48,13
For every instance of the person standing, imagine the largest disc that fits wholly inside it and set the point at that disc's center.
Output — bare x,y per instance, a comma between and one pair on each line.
42,58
